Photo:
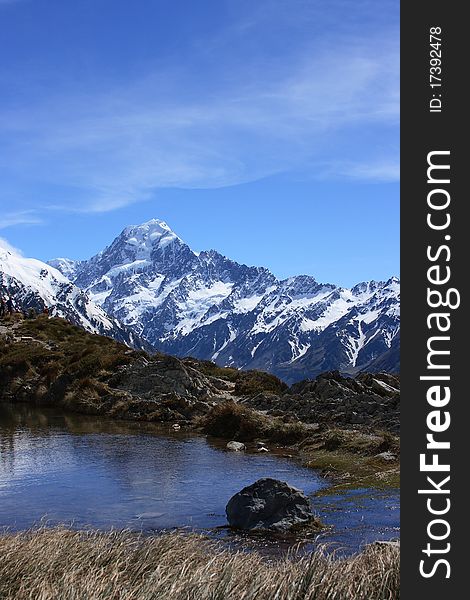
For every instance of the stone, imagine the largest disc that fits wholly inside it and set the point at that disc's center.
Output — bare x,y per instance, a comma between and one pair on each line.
388,456
262,449
269,504
387,543
236,446
357,419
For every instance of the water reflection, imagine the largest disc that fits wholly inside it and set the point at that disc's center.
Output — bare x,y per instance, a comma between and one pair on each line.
92,471
108,473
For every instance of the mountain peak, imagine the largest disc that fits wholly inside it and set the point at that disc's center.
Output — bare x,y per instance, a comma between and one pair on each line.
210,307
150,233
138,242
152,225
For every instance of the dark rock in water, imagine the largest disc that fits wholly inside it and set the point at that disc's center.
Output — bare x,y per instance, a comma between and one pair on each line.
268,504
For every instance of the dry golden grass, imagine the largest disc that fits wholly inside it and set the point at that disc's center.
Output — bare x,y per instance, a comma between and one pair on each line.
46,564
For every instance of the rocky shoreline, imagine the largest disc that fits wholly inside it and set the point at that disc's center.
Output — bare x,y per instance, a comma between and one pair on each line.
370,400
50,362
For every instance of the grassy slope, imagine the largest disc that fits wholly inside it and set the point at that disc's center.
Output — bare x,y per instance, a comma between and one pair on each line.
66,349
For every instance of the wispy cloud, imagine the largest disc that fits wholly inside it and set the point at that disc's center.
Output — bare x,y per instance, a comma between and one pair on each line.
107,149
381,171
22,217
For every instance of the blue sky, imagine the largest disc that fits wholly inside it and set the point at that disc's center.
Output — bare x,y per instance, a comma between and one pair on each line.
268,130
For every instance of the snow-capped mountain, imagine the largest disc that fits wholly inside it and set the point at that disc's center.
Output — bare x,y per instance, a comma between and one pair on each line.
35,284
66,266
207,306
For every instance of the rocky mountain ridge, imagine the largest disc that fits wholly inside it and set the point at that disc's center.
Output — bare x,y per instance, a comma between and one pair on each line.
35,285
205,305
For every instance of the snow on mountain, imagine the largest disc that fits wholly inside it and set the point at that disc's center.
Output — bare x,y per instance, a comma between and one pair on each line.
205,305
66,266
35,284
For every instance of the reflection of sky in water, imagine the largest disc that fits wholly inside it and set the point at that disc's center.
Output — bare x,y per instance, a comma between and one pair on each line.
107,479
62,468
363,515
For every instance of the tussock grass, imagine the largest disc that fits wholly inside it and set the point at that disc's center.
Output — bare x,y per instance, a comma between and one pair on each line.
250,383
348,457
346,470
47,564
65,349
231,420
247,383
356,441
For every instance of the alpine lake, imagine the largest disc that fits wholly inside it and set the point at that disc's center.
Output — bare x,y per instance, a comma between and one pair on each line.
91,472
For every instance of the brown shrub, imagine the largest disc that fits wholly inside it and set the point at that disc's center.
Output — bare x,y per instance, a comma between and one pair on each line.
231,420
250,383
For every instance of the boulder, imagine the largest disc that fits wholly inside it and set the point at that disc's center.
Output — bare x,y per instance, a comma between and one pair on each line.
269,504
236,446
153,379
